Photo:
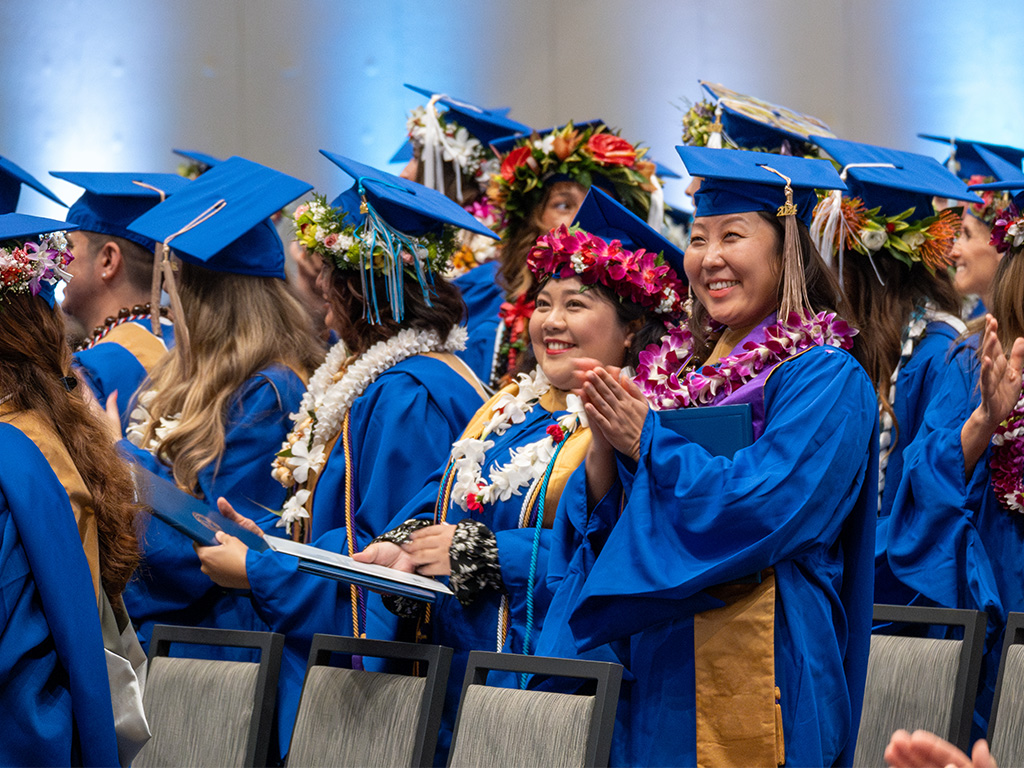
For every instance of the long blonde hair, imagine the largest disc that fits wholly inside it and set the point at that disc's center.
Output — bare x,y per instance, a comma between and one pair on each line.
238,325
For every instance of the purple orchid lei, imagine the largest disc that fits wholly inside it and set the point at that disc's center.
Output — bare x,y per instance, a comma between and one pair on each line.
24,267
660,372
1007,461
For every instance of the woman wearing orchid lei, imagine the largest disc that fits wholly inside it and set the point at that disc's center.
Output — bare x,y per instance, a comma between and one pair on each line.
377,419
736,590
957,530
484,520
891,252
539,186
67,522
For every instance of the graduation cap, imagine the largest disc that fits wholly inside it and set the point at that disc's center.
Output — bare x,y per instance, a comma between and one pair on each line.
752,123
12,177
220,220
894,180
406,206
199,162
603,216
974,158
112,201
504,144
43,272
737,181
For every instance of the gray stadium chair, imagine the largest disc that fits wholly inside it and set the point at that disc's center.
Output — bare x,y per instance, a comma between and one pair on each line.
1006,725
352,717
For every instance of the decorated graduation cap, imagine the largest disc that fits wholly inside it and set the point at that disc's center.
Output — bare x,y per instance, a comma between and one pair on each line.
384,225
889,205
12,178
996,194
1007,222
198,163
112,201
736,121
588,154
460,134
748,182
608,244
34,255
974,158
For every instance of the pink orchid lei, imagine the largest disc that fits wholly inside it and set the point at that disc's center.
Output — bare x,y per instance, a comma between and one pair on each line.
1008,230
660,371
639,276
1007,461
24,267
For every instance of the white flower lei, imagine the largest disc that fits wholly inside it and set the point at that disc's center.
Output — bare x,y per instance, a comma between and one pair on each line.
527,463
332,389
141,417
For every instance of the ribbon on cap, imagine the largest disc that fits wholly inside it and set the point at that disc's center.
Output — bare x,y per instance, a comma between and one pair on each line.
393,242
154,292
829,229
787,208
435,142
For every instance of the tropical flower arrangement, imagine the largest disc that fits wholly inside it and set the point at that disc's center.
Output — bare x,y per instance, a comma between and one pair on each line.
579,154
842,223
668,379
640,276
25,267
700,123
995,200
475,159
321,228
476,249
1008,230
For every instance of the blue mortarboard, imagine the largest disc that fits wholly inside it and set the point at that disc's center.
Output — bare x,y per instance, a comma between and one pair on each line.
504,144
664,172
753,123
112,201
1001,170
903,180
200,158
236,197
1014,186
406,206
965,159
12,176
603,216
22,227
736,181
485,125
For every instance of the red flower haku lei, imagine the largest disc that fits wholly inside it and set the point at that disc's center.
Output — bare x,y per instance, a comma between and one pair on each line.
1007,461
660,372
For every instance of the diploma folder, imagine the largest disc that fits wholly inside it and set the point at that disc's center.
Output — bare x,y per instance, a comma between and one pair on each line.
379,578
720,429
187,514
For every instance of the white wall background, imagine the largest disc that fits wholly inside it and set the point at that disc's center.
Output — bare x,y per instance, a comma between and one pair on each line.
115,84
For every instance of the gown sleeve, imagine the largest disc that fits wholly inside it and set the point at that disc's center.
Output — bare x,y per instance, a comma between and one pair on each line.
694,521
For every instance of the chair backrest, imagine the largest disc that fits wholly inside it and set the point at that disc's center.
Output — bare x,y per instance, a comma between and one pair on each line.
920,682
353,717
504,726
210,713
1006,725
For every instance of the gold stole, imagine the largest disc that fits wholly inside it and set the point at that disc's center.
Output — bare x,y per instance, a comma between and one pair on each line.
146,347
57,456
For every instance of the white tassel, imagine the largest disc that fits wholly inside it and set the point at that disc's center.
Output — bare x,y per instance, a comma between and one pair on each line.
715,139
656,213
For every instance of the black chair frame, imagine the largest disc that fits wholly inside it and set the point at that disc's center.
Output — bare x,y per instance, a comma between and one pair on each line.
1014,636
269,644
965,688
436,658
606,675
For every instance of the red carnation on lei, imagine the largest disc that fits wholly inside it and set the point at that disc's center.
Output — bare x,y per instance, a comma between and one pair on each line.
557,433
609,149
518,157
473,502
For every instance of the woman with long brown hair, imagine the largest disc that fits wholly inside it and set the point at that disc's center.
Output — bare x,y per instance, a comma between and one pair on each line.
956,530
59,470
216,407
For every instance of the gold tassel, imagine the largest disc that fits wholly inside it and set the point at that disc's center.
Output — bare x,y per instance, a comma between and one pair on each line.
794,287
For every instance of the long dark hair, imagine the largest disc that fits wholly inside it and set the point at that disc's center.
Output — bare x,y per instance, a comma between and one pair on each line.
34,357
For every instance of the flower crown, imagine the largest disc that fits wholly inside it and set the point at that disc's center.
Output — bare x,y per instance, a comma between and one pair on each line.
842,223
701,122
1008,230
995,200
26,267
457,146
579,154
639,276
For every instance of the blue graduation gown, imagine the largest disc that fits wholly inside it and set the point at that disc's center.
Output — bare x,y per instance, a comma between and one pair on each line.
916,385
483,297
801,499
949,538
402,427
111,366
169,587
54,693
